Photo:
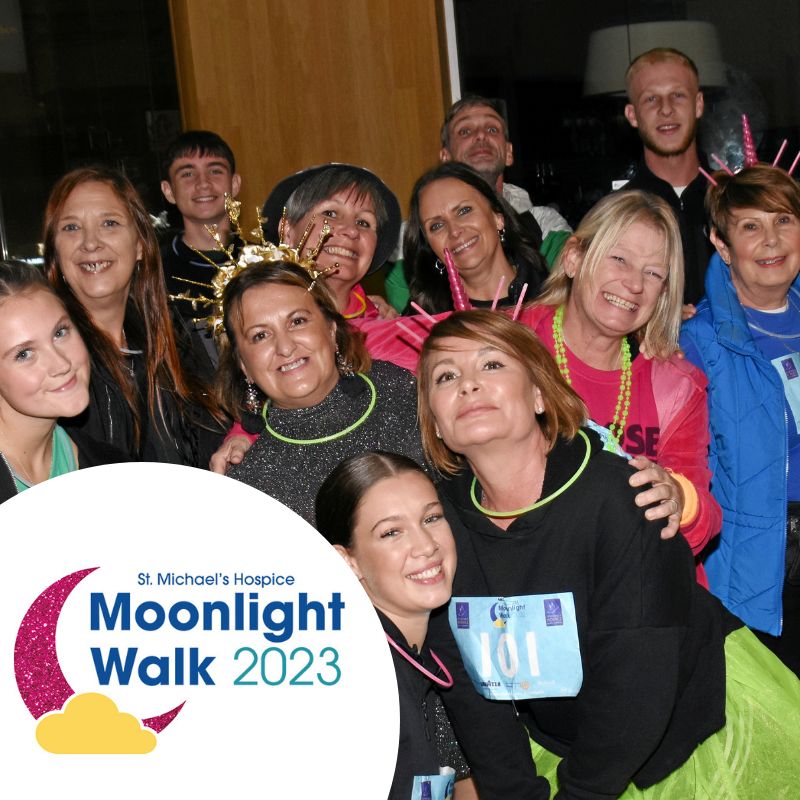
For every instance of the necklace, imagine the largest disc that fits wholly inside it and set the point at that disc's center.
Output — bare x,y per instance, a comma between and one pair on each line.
448,680
617,426
363,307
20,473
333,436
518,512
129,353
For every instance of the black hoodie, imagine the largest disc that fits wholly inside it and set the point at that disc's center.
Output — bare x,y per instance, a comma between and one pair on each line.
651,638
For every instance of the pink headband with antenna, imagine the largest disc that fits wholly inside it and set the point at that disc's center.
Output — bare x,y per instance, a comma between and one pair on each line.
750,155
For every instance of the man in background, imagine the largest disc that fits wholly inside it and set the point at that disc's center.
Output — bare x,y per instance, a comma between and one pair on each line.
665,106
199,170
475,133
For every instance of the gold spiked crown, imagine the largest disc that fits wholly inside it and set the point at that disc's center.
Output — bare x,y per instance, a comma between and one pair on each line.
250,254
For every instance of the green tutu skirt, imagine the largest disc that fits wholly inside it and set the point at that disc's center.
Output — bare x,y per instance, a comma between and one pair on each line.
756,756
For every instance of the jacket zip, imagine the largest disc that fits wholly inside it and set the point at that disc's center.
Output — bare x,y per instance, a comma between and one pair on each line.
8,467
785,533
110,417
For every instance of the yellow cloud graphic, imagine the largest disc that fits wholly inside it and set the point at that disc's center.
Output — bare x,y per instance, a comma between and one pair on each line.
92,723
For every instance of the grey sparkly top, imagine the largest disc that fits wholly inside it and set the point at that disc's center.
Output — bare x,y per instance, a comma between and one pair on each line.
293,473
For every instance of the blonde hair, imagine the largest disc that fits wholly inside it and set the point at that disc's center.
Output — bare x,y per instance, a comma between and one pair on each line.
658,55
564,412
601,229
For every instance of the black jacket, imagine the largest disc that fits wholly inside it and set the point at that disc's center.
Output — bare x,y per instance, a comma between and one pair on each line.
532,274
91,453
690,211
181,263
418,753
189,437
651,638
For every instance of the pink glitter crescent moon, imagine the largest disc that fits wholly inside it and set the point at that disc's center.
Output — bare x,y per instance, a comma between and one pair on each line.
40,681
750,155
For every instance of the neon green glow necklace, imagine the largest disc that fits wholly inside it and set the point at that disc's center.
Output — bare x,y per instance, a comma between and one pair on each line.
617,426
520,511
333,436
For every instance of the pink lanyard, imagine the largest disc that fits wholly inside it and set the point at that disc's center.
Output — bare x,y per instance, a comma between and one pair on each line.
447,683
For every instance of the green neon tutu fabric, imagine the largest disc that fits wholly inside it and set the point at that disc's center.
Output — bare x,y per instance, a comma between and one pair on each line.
755,756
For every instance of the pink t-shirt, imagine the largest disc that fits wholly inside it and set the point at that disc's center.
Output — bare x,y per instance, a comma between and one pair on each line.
599,389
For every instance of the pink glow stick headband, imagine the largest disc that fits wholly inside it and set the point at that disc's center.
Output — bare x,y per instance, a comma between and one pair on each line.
412,334
500,285
750,155
419,309
519,302
780,153
460,299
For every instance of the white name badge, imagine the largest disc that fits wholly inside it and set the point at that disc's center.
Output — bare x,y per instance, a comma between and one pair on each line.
434,787
788,368
519,648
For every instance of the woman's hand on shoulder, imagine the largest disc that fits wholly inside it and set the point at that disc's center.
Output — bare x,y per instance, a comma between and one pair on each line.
385,311
659,491
230,452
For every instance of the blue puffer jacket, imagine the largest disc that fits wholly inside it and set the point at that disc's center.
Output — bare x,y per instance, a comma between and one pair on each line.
748,458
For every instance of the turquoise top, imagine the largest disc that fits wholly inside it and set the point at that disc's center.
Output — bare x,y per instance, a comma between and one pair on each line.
63,461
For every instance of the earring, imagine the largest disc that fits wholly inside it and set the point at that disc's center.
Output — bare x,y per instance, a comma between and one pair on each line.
540,409
501,232
439,267
438,433
251,398
345,367
251,421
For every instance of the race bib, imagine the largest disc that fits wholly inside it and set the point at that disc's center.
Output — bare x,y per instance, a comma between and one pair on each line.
519,648
609,442
788,368
434,787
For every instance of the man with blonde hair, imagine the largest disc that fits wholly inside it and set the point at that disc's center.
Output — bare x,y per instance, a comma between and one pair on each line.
665,105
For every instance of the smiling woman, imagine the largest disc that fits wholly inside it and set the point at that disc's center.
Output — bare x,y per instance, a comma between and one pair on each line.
453,208
382,513
618,286
746,337
291,358
363,215
630,679
147,396
44,375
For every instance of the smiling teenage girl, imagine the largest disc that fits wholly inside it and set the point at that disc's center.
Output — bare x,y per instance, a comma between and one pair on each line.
44,375
383,515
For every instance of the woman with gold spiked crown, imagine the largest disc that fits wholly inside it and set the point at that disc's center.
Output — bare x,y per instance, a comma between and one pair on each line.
300,376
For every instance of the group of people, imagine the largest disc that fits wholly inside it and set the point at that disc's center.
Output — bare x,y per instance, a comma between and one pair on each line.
538,516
